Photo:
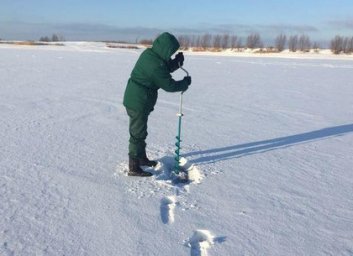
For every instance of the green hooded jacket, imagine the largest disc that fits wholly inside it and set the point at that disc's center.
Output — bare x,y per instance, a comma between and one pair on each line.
152,72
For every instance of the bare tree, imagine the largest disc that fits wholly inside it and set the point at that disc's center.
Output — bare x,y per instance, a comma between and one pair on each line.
181,41
217,41
184,41
146,41
225,41
280,42
253,41
239,43
197,41
342,44
316,47
304,43
345,45
192,41
293,43
350,45
44,39
55,38
233,41
187,41
337,44
206,41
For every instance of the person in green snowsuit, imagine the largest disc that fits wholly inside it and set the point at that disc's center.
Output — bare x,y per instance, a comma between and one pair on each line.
151,72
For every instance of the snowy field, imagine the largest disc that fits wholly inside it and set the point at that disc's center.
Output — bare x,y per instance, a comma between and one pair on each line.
271,137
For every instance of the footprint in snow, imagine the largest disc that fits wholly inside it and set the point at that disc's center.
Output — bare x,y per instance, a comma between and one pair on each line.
167,209
201,241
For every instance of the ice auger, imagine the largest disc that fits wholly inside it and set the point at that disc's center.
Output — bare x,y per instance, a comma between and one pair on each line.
181,175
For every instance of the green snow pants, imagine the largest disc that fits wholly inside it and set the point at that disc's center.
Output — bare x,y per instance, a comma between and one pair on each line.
138,133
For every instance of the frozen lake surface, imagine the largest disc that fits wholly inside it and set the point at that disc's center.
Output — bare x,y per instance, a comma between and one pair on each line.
271,137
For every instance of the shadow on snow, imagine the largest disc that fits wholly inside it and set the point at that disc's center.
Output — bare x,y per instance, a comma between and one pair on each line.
224,153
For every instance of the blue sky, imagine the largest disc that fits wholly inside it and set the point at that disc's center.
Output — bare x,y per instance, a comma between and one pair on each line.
133,19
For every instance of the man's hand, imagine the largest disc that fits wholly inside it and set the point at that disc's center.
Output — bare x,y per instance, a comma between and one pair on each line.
179,58
187,79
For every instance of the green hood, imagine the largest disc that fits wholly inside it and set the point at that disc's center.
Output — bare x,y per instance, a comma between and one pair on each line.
152,72
165,45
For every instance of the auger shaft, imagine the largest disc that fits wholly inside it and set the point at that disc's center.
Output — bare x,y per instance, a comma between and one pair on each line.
178,137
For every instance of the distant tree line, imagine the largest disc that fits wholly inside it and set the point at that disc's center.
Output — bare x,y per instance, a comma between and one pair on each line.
53,38
208,41
217,42
146,41
294,43
253,41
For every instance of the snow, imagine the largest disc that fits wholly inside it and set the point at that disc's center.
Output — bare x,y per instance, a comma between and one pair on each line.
167,209
270,141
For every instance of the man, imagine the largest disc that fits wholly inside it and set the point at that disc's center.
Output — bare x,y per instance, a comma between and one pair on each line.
151,72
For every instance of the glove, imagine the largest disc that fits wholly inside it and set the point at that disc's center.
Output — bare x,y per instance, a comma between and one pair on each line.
179,59
187,80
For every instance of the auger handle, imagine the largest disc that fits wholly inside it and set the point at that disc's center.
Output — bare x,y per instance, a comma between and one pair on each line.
187,73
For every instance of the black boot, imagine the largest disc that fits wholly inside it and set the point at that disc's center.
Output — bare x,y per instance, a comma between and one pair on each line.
146,162
135,169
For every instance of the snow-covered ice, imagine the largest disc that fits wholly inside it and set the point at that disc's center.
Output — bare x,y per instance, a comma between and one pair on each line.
270,141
